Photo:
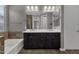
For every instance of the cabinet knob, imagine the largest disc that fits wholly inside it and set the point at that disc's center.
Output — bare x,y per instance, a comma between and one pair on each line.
41,39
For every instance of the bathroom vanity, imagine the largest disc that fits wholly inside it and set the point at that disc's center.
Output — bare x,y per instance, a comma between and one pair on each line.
43,28
41,39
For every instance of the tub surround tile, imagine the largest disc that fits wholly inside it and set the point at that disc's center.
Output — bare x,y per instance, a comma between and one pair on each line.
5,34
11,35
1,44
15,35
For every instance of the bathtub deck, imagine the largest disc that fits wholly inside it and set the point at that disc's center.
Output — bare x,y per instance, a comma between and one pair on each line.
12,46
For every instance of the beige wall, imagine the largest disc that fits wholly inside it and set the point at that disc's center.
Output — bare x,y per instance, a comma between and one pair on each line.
17,19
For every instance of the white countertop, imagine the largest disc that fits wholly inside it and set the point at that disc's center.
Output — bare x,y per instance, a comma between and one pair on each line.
39,31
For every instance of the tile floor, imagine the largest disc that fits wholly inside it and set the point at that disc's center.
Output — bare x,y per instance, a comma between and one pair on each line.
47,51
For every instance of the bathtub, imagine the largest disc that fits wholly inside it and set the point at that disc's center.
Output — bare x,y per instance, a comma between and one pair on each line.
13,46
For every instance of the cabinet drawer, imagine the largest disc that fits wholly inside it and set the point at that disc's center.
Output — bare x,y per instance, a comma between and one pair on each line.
34,34
53,35
57,38
43,35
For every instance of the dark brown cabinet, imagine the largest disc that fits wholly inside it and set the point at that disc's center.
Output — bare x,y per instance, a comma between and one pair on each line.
41,40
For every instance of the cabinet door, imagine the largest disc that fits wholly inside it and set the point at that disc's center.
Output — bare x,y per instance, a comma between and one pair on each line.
53,40
43,40
26,40
56,43
53,43
33,40
49,43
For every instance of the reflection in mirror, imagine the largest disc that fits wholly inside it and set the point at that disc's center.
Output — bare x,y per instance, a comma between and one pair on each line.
2,18
43,17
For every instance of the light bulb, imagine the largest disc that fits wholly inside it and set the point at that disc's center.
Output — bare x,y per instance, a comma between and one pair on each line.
49,7
53,8
36,8
45,8
57,8
28,7
32,8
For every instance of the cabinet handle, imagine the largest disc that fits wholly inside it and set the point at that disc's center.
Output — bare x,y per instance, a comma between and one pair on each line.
77,31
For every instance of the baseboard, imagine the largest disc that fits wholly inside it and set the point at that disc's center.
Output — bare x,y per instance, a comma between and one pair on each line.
62,49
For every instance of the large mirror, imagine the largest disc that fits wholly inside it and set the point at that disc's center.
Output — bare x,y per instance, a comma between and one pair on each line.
43,17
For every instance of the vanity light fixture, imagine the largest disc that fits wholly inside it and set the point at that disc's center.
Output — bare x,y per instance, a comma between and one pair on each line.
32,8
45,8
49,8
